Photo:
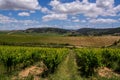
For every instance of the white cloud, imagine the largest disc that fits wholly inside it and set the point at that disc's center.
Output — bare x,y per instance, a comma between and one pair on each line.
54,17
54,3
32,11
117,9
9,20
73,17
100,20
84,7
71,8
19,4
85,1
60,11
76,20
105,3
69,11
45,10
8,23
5,19
100,8
24,14
83,21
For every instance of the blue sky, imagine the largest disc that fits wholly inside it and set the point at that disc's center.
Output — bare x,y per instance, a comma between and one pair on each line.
68,14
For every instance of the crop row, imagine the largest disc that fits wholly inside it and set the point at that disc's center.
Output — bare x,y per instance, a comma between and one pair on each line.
13,58
89,60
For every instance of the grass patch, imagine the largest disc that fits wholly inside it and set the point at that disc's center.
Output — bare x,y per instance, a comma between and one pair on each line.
67,70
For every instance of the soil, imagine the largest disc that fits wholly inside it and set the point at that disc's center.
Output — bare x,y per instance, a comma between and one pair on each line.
34,71
106,72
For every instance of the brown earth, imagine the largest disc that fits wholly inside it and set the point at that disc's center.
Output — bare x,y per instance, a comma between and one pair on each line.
34,71
106,72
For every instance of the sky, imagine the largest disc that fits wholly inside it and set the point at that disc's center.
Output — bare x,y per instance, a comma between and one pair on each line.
67,14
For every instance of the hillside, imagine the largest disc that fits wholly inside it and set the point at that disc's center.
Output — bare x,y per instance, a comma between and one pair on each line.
98,32
47,30
78,32
55,37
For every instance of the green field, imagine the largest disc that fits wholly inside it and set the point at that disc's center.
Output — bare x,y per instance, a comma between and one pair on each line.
59,63
45,40
29,56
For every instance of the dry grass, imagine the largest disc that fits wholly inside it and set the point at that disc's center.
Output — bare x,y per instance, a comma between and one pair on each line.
85,41
106,72
81,41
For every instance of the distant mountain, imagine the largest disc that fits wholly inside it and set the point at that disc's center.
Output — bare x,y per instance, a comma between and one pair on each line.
82,31
47,30
92,31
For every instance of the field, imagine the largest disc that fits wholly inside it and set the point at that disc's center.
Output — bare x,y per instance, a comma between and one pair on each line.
45,40
58,63
58,57
16,58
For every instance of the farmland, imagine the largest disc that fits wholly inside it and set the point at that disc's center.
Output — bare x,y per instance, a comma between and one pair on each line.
59,39
59,63
27,56
16,58
45,40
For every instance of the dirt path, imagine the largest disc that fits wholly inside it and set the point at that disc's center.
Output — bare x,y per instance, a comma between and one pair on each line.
67,70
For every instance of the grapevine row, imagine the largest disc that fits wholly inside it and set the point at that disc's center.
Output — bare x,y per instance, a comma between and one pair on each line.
89,60
13,58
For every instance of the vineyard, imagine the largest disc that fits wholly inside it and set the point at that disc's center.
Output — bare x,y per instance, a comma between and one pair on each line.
15,58
81,63
89,60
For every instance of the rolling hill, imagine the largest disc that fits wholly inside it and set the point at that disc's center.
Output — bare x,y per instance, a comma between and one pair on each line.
47,30
78,32
98,32
67,32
